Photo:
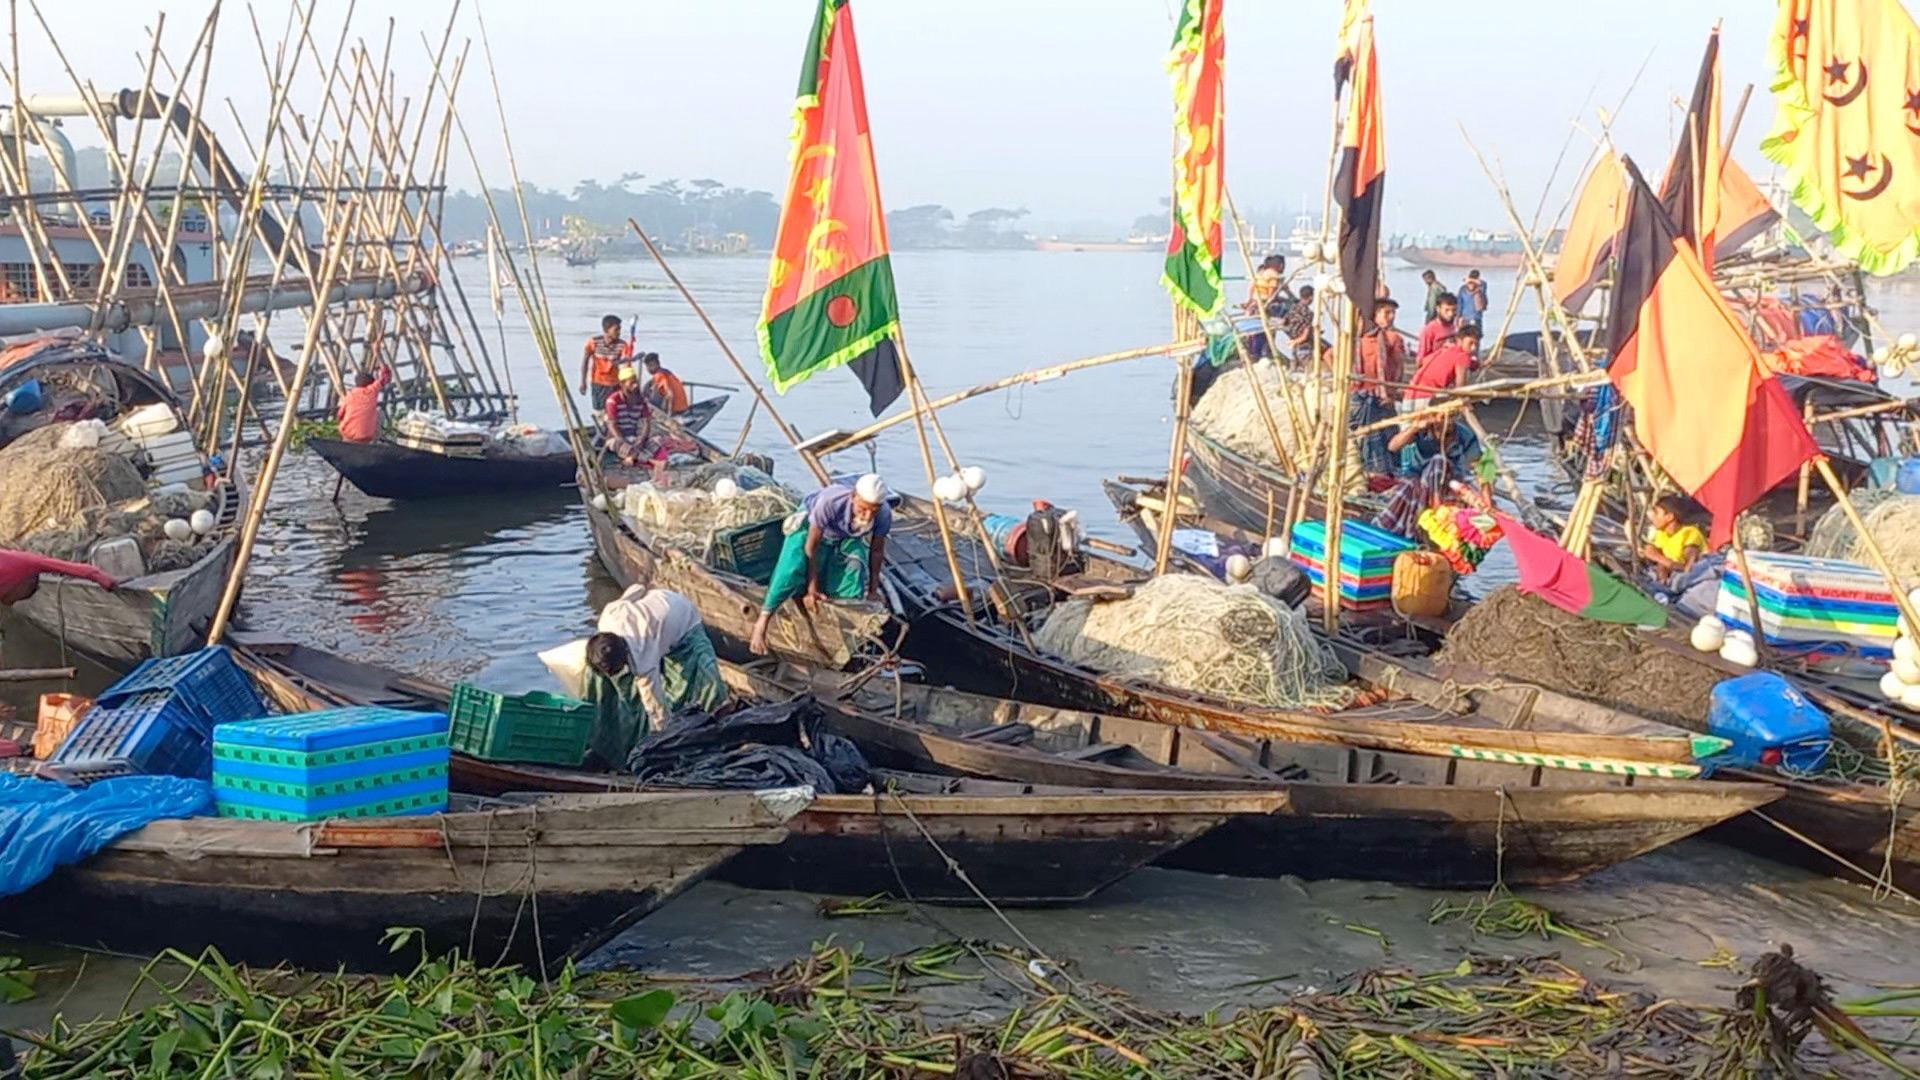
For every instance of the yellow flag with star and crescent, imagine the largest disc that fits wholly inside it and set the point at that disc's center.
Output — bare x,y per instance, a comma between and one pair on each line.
1847,129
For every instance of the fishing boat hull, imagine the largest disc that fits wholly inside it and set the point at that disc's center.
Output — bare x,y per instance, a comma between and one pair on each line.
729,604
388,470
162,614
1866,836
522,884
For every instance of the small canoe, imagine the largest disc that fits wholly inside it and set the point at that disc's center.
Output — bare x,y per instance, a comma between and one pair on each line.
1020,844
1350,813
387,470
534,882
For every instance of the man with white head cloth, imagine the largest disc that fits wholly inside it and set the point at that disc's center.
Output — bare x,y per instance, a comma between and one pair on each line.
836,544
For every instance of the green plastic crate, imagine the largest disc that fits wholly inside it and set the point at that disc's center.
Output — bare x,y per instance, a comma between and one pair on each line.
545,729
749,550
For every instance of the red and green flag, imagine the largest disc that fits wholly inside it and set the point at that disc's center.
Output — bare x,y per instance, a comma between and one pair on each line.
1573,584
1194,246
830,297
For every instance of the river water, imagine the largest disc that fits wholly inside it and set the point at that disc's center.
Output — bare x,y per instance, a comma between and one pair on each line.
472,589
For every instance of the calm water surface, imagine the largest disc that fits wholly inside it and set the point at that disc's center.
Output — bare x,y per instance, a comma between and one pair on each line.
472,589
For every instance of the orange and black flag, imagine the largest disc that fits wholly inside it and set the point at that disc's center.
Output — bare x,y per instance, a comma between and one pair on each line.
1588,242
1361,183
1744,210
1702,404
1691,188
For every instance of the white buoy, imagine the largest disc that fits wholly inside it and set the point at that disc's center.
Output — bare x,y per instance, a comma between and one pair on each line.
600,501
1910,698
1337,286
725,488
1239,568
1910,341
1274,548
1906,671
1739,649
215,347
1891,687
1709,634
974,477
201,522
950,489
1330,251
1904,648
177,529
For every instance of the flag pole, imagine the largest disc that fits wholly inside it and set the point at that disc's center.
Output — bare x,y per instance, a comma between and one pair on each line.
760,396
1183,408
1337,461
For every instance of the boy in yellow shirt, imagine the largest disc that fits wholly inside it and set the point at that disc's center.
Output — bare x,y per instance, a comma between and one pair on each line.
1672,543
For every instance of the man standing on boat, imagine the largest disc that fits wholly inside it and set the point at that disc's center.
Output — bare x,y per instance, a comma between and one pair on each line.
652,650
1381,357
20,574
1439,330
1473,300
665,391
1435,291
360,407
600,366
836,545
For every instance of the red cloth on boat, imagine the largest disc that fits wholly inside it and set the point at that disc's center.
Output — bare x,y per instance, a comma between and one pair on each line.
1821,356
20,567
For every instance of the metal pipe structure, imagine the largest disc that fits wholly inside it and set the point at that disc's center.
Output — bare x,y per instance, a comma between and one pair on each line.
144,307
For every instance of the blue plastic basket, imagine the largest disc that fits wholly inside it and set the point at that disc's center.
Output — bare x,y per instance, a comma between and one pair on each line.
333,728
208,683
154,733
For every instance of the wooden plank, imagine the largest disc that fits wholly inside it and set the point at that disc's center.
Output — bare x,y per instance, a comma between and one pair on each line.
1240,755
1091,752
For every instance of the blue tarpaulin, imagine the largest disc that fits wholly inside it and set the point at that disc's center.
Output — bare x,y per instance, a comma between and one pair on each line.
44,825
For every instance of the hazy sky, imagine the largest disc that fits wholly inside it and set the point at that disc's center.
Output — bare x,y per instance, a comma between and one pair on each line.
1061,106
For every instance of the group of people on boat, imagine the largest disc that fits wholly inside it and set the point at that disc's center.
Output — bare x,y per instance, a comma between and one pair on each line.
626,405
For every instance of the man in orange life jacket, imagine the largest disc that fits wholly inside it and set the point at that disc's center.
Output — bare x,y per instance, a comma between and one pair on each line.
600,363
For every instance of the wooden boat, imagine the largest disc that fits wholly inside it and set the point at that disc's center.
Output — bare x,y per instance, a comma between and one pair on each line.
988,654
1349,813
387,470
1018,843
156,614
728,601
534,881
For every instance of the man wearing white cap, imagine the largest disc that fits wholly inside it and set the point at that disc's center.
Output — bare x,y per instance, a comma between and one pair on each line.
835,547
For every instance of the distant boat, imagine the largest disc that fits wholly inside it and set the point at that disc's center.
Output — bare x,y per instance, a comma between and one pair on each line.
1154,244
583,257
1476,248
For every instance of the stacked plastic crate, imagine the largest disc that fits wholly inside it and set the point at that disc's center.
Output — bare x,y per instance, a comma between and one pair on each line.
1366,560
160,719
364,761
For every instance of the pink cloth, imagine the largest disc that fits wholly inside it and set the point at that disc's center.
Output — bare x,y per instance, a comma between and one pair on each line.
19,567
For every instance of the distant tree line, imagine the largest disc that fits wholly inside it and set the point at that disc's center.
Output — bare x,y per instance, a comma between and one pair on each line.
930,225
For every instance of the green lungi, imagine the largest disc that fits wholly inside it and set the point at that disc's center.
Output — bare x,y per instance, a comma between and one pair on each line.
843,569
690,675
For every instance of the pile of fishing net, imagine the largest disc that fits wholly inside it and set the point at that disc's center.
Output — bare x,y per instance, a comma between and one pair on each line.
705,500
1892,518
1195,633
144,519
1522,638
46,485
1230,415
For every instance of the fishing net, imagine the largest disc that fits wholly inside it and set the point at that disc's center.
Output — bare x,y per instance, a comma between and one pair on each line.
1893,519
144,519
1525,639
1229,415
1194,633
690,513
44,485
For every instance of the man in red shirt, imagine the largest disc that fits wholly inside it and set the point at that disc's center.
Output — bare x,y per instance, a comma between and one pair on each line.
1435,334
20,574
360,406
1449,365
1381,360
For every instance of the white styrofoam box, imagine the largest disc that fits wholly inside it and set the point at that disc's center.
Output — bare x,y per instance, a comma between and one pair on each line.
149,420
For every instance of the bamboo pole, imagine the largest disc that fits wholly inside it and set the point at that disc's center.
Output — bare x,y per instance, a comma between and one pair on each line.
1867,540
759,395
1760,647
1173,349
263,484
939,511
1337,461
1177,448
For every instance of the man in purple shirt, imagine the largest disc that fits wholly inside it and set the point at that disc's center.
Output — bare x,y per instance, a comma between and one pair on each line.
835,546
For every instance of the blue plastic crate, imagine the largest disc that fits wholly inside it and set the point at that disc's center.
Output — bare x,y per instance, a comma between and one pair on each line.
332,728
154,733
209,683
